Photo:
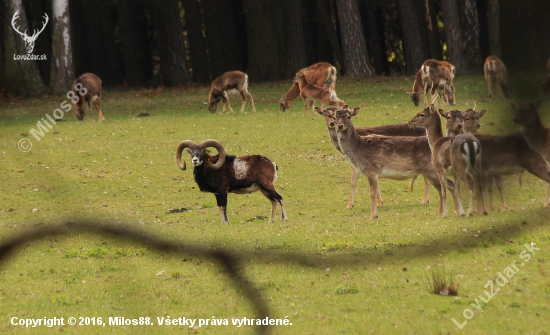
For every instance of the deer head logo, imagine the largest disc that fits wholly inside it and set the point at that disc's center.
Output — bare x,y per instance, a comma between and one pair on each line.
29,40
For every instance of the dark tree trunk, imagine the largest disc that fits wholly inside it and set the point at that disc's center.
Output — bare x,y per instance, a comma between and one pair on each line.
493,18
20,77
432,29
171,47
98,36
453,35
373,29
470,31
43,46
415,54
136,54
291,43
62,71
327,25
353,40
197,43
263,28
222,36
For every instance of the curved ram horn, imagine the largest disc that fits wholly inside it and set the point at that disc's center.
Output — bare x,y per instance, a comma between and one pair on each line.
221,151
183,145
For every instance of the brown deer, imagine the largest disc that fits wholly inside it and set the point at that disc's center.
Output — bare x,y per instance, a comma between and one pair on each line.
459,156
377,156
535,133
232,82
438,76
495,74
387,130
320,74
311,93
87,88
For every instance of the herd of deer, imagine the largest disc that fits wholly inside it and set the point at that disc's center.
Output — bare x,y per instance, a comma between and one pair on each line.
400,152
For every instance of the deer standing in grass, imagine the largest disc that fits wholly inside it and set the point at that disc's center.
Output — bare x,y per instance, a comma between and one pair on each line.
377,156
320,74
495,74
232,82
387,130
87,88
533,130
459,156
311,93
438,76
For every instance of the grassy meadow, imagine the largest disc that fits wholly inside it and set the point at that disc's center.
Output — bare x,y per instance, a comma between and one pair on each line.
329,270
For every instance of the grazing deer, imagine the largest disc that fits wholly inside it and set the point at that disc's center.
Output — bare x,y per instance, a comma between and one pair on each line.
87,88
29,40
232,82
495,74
387,130
535,133
377,156
417,89
437,76
310,93
459,156
320,74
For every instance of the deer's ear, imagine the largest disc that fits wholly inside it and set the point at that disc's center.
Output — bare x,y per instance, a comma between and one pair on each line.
355,111
319,110
442,113
482,113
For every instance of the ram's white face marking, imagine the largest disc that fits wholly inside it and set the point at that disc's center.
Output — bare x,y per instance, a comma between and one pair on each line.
241,168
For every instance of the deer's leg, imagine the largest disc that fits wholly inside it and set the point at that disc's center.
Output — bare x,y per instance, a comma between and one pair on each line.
353,184
456,195
97,105
443,202
226,102
249,97
490,84
478,183
426,191
373,185
500,188
269,192
243,98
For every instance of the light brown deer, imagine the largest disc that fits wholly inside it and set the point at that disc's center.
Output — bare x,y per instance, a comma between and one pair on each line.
232,82
87,88
387,130
311,93
459,156
495,74
536,134
438,76
320,74
377,156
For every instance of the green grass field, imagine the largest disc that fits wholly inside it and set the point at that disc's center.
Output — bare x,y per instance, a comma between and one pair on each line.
327,269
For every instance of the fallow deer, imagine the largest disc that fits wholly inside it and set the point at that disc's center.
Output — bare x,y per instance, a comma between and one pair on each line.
377,156
310,93
536,134
320,74
459,156
495,74
436,76
87,88
387,130
232,82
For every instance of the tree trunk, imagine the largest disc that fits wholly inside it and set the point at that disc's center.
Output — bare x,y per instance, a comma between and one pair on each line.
21,77
353,41
136,54
327,24
493,15
373,29
222,36
43,46
171,47
291,44
453,35
263,27
470,31
434,40
197,43
62,71
412,36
